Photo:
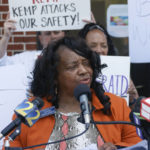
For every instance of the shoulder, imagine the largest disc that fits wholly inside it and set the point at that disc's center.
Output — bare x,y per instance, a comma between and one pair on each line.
118,104
119,107
114,99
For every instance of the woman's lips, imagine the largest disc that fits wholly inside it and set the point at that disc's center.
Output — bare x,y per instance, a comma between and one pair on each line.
85,81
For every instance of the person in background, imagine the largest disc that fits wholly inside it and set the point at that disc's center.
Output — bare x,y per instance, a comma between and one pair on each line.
100,41
43,39
26,58
63,66
46,37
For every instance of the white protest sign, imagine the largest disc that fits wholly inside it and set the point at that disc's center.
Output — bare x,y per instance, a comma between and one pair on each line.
45,15
9,99
117,20
116,77
139,30
13,77
12,91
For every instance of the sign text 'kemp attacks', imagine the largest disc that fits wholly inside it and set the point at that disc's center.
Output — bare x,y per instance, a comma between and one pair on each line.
45,9
43,15
46,21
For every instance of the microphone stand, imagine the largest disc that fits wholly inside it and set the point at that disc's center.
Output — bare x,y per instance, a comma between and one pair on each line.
11,138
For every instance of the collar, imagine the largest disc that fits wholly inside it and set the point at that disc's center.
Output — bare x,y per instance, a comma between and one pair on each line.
96,102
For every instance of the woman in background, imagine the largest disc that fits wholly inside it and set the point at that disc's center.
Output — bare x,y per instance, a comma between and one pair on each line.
100,41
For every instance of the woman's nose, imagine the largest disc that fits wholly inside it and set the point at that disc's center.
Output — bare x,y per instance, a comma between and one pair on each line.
98,49
82,69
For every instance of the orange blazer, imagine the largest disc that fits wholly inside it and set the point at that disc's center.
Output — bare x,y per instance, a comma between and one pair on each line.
123,135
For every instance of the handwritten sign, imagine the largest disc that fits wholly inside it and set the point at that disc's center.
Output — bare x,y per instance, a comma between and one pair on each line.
42,15
115,77
139,30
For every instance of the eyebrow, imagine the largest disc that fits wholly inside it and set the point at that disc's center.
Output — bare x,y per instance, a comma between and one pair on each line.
96,42
76,62
70,63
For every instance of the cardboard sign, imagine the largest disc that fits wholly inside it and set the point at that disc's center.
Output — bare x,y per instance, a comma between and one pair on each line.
46,15
115,77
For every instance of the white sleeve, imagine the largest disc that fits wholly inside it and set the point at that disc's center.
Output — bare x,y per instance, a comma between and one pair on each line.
21,58
10,60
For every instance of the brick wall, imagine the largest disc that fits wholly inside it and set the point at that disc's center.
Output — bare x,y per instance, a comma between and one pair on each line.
20,41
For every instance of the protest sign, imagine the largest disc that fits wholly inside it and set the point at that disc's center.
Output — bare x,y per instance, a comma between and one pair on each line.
117,20
12,91
44,15
9,99
115,77
139,30
15,76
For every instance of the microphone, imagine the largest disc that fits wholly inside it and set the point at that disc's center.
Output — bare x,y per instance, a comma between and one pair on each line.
82,93
27,112
136,118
